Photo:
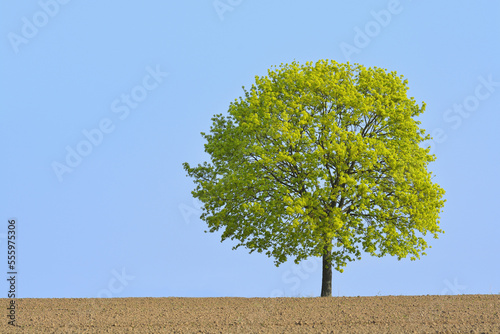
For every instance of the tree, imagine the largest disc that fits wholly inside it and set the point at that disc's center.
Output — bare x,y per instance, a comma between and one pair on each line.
321,159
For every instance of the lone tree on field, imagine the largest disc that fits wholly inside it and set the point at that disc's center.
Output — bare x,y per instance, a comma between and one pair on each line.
321,160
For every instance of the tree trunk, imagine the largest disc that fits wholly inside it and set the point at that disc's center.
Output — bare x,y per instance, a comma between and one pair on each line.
326,283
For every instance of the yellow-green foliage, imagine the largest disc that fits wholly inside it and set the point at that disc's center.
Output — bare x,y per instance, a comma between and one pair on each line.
321,154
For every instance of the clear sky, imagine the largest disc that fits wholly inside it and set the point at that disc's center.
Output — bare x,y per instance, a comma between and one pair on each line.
102,102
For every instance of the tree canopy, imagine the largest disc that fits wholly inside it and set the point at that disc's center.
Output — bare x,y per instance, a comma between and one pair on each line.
321,159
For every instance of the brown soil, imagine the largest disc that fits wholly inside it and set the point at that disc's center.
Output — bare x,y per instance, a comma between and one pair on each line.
388,314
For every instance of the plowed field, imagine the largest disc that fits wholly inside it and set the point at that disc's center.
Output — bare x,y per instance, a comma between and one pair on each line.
386,314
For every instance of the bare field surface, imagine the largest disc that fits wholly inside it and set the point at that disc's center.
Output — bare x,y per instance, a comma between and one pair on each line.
385,314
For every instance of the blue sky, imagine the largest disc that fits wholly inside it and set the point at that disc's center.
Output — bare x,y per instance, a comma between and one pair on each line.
129,86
